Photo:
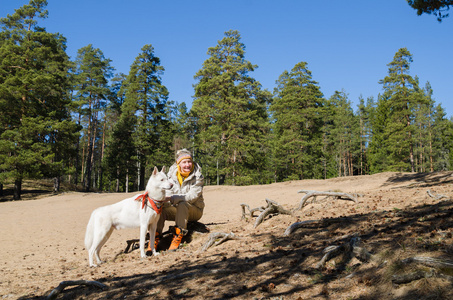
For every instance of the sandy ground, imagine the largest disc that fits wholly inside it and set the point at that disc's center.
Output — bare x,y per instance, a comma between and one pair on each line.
42,242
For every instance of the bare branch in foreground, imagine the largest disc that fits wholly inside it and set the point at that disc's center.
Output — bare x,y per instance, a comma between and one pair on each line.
441,266
429,261
251,211
216,235
54,293
293,227
272,208
437,197
338,196
352,248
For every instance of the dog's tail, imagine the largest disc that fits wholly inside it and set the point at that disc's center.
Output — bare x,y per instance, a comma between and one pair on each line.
89,233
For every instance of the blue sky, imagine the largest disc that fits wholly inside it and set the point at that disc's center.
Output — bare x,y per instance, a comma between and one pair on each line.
346,44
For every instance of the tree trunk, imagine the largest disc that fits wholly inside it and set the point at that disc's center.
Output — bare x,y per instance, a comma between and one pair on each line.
56,184
93,147
127,181
117,188
17,189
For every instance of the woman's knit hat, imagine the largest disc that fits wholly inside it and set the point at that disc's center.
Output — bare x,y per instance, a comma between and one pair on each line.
183,154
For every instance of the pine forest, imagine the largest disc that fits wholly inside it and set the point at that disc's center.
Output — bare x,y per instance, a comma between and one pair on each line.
80,123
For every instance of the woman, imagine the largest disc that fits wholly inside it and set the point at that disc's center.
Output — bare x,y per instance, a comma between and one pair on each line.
185,198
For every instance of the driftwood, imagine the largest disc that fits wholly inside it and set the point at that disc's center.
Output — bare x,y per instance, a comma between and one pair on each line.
352,248
272,208
54,293
439,264
429,261
437,197
131,244
335,195
406,278
293,227
251,211
216,235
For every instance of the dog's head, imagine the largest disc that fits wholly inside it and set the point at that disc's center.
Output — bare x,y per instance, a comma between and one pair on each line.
158,180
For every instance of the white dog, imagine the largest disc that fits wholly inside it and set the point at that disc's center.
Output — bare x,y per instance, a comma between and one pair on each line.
139,211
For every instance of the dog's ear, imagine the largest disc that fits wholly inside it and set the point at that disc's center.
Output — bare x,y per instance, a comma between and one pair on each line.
163,169
155,171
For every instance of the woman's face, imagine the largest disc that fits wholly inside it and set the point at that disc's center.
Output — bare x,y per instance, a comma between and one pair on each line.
186,165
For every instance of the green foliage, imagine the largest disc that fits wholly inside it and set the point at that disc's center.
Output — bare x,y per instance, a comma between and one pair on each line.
92,92
144,132
435,7
297,113
34,80
342,136
237,131
230,114
401,96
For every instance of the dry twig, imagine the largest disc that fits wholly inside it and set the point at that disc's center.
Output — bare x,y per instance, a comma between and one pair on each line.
251,211
314,194
272,208
437,197
54,293
352,248
293,227
440,265
216,235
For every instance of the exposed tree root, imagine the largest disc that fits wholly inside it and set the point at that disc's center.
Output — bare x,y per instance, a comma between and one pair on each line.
352,248
293,227
335,195
406,278
438,268
251,211
54,293
272,208
216,235
437,197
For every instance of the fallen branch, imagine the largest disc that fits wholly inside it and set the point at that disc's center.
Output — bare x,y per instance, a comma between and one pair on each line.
293,227
251,211
272,208
406,278
440,265
429,261
131,244
314,194
54,293
216,235
351,248
437,197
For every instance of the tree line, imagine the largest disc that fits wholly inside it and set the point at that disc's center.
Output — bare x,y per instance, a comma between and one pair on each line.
79,122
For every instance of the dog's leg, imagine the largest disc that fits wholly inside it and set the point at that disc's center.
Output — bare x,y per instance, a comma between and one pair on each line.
100,237
143,230
152,236
102,243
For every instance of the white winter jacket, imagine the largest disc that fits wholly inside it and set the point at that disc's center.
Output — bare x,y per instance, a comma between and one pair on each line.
191,189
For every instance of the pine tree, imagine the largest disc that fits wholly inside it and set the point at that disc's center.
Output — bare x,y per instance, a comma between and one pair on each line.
92,73
365,114
378,150
230,113
297,112
403,96
37,135
153,134
344,140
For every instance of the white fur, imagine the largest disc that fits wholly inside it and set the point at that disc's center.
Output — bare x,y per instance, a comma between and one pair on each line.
127,213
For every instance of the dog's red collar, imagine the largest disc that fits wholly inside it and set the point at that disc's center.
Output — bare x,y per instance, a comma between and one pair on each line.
144,198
